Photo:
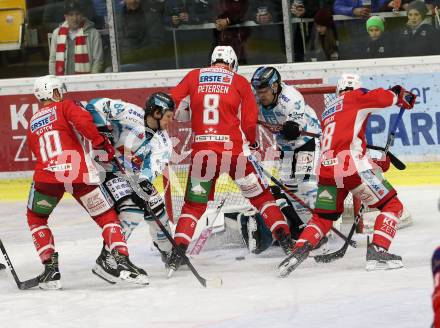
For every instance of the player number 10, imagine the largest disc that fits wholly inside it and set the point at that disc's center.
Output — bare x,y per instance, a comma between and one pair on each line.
210,109
50,145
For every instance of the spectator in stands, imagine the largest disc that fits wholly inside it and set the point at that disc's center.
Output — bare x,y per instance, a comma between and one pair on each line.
303,9
140,35
53,13
76,46
177,12
227,13
323,45
356,9
419,37
378,44
266,11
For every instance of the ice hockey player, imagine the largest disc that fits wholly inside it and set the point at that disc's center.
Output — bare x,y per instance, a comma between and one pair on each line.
436,293
282,109
345,167
224,122
140,138
58,135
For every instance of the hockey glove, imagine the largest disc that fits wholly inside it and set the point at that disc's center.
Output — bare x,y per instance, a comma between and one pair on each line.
146,187
384,164
291,130
255,146
107,147
405,98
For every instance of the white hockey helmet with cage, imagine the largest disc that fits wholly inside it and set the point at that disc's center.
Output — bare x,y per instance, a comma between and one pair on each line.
44,87
348,81
225,54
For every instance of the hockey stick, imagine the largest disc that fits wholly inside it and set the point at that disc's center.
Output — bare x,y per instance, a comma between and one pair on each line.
326,258
207,232
390,140
22,285
398,164
275,128
298,200
204,282
341,252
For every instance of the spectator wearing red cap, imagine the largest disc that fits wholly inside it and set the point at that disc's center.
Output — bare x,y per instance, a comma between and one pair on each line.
323,45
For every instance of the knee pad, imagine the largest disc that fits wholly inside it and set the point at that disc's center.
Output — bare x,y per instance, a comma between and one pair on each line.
130,215
96,202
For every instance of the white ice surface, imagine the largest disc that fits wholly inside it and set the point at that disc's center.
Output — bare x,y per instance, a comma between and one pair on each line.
339,294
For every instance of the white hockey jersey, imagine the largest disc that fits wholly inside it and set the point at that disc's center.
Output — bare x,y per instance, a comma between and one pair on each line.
147,151
290,107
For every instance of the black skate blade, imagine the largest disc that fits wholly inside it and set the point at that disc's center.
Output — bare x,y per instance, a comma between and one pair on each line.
103,278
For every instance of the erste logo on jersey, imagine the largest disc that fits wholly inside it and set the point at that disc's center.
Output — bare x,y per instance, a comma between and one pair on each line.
333,108
43,120
215,77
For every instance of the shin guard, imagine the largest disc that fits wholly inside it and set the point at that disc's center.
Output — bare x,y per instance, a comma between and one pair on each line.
315,230
386,223
112,231
41,235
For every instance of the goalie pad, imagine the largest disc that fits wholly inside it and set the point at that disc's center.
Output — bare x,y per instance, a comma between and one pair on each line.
255,234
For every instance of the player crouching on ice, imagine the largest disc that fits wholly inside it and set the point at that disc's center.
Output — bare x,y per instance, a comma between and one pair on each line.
142,143
284,112
58,134
345,167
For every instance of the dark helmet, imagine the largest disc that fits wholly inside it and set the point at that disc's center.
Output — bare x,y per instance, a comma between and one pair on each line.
159,100
265,76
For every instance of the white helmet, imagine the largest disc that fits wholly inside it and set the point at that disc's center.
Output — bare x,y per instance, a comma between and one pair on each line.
44,87
348,81
226,55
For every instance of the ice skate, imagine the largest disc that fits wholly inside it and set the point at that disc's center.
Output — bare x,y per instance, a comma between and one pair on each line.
175,259
50,278
163,254
322,247
106,267
378,258
127,271
290,263
285,241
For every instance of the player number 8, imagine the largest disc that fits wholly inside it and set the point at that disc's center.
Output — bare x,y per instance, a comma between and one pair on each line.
210,109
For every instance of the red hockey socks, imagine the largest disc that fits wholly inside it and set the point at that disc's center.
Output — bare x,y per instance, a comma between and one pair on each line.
191,212
315,230
41,235
112,231
386,223
271,213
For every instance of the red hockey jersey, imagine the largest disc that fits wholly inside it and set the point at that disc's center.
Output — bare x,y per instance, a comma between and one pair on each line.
344,121
56,136
223,108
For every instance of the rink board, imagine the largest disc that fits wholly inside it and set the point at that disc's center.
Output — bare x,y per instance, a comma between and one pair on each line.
415,174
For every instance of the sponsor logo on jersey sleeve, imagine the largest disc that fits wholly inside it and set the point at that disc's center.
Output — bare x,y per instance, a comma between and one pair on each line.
43,120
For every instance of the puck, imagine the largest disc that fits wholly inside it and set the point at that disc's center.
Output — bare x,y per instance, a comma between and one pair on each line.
240,258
